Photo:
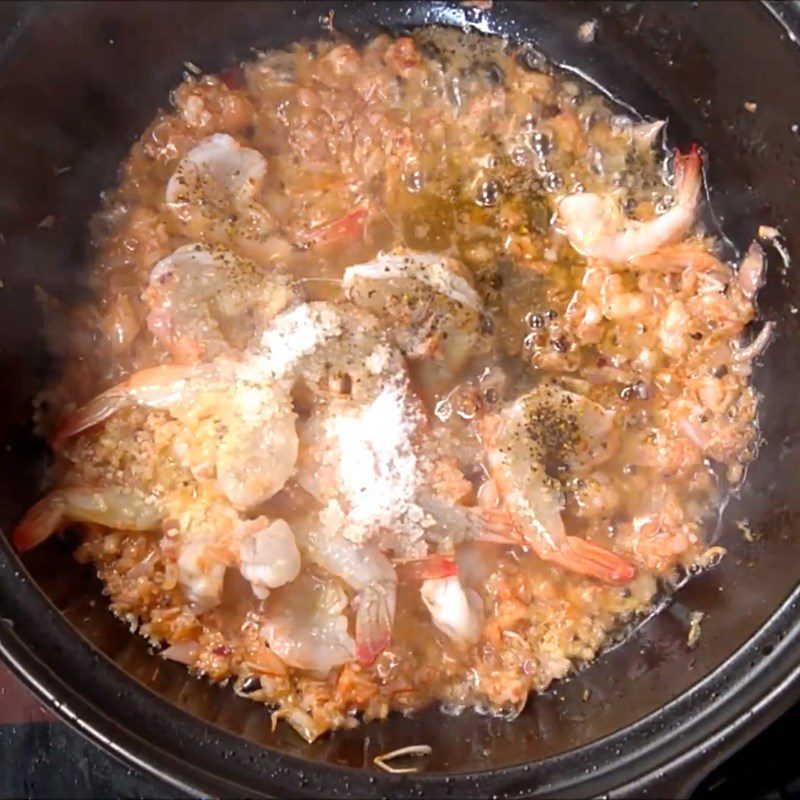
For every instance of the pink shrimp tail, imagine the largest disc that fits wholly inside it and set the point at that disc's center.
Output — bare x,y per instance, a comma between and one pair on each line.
156,383
39,523
587,558
373,623
183,349
89,415
346,228
423,569
367,650
687,175
497,527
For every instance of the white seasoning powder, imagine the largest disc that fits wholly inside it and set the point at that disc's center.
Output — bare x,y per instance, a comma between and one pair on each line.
297,333
378,466
377,361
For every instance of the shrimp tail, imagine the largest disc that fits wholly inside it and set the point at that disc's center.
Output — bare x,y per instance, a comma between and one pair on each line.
587,558
156,387
687,176
93,413
495,525
184,349
373,624
41,521
347,228
423,569
113,508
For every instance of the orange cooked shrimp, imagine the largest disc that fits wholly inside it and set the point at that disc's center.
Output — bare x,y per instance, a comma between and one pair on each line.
597,227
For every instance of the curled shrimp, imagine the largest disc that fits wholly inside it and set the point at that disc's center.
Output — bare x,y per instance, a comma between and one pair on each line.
112,507
597,227
457,612
238,422
433,308
154,387
517,441
237,429
217,172
568,427
268,554
201,574
367,570
306,626
217,538
214,195
207,301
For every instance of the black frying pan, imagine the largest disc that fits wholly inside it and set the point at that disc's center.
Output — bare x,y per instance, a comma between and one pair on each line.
79,81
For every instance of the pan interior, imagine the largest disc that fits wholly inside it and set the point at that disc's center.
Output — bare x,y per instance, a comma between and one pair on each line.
78,84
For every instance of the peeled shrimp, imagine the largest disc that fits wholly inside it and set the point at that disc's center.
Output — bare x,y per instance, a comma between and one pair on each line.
597,227
268,554
218,170
207,301
455,611
306,627
567,426
115,508
201,574
517,442
216,538
237,430
434,310
366,569
214,195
